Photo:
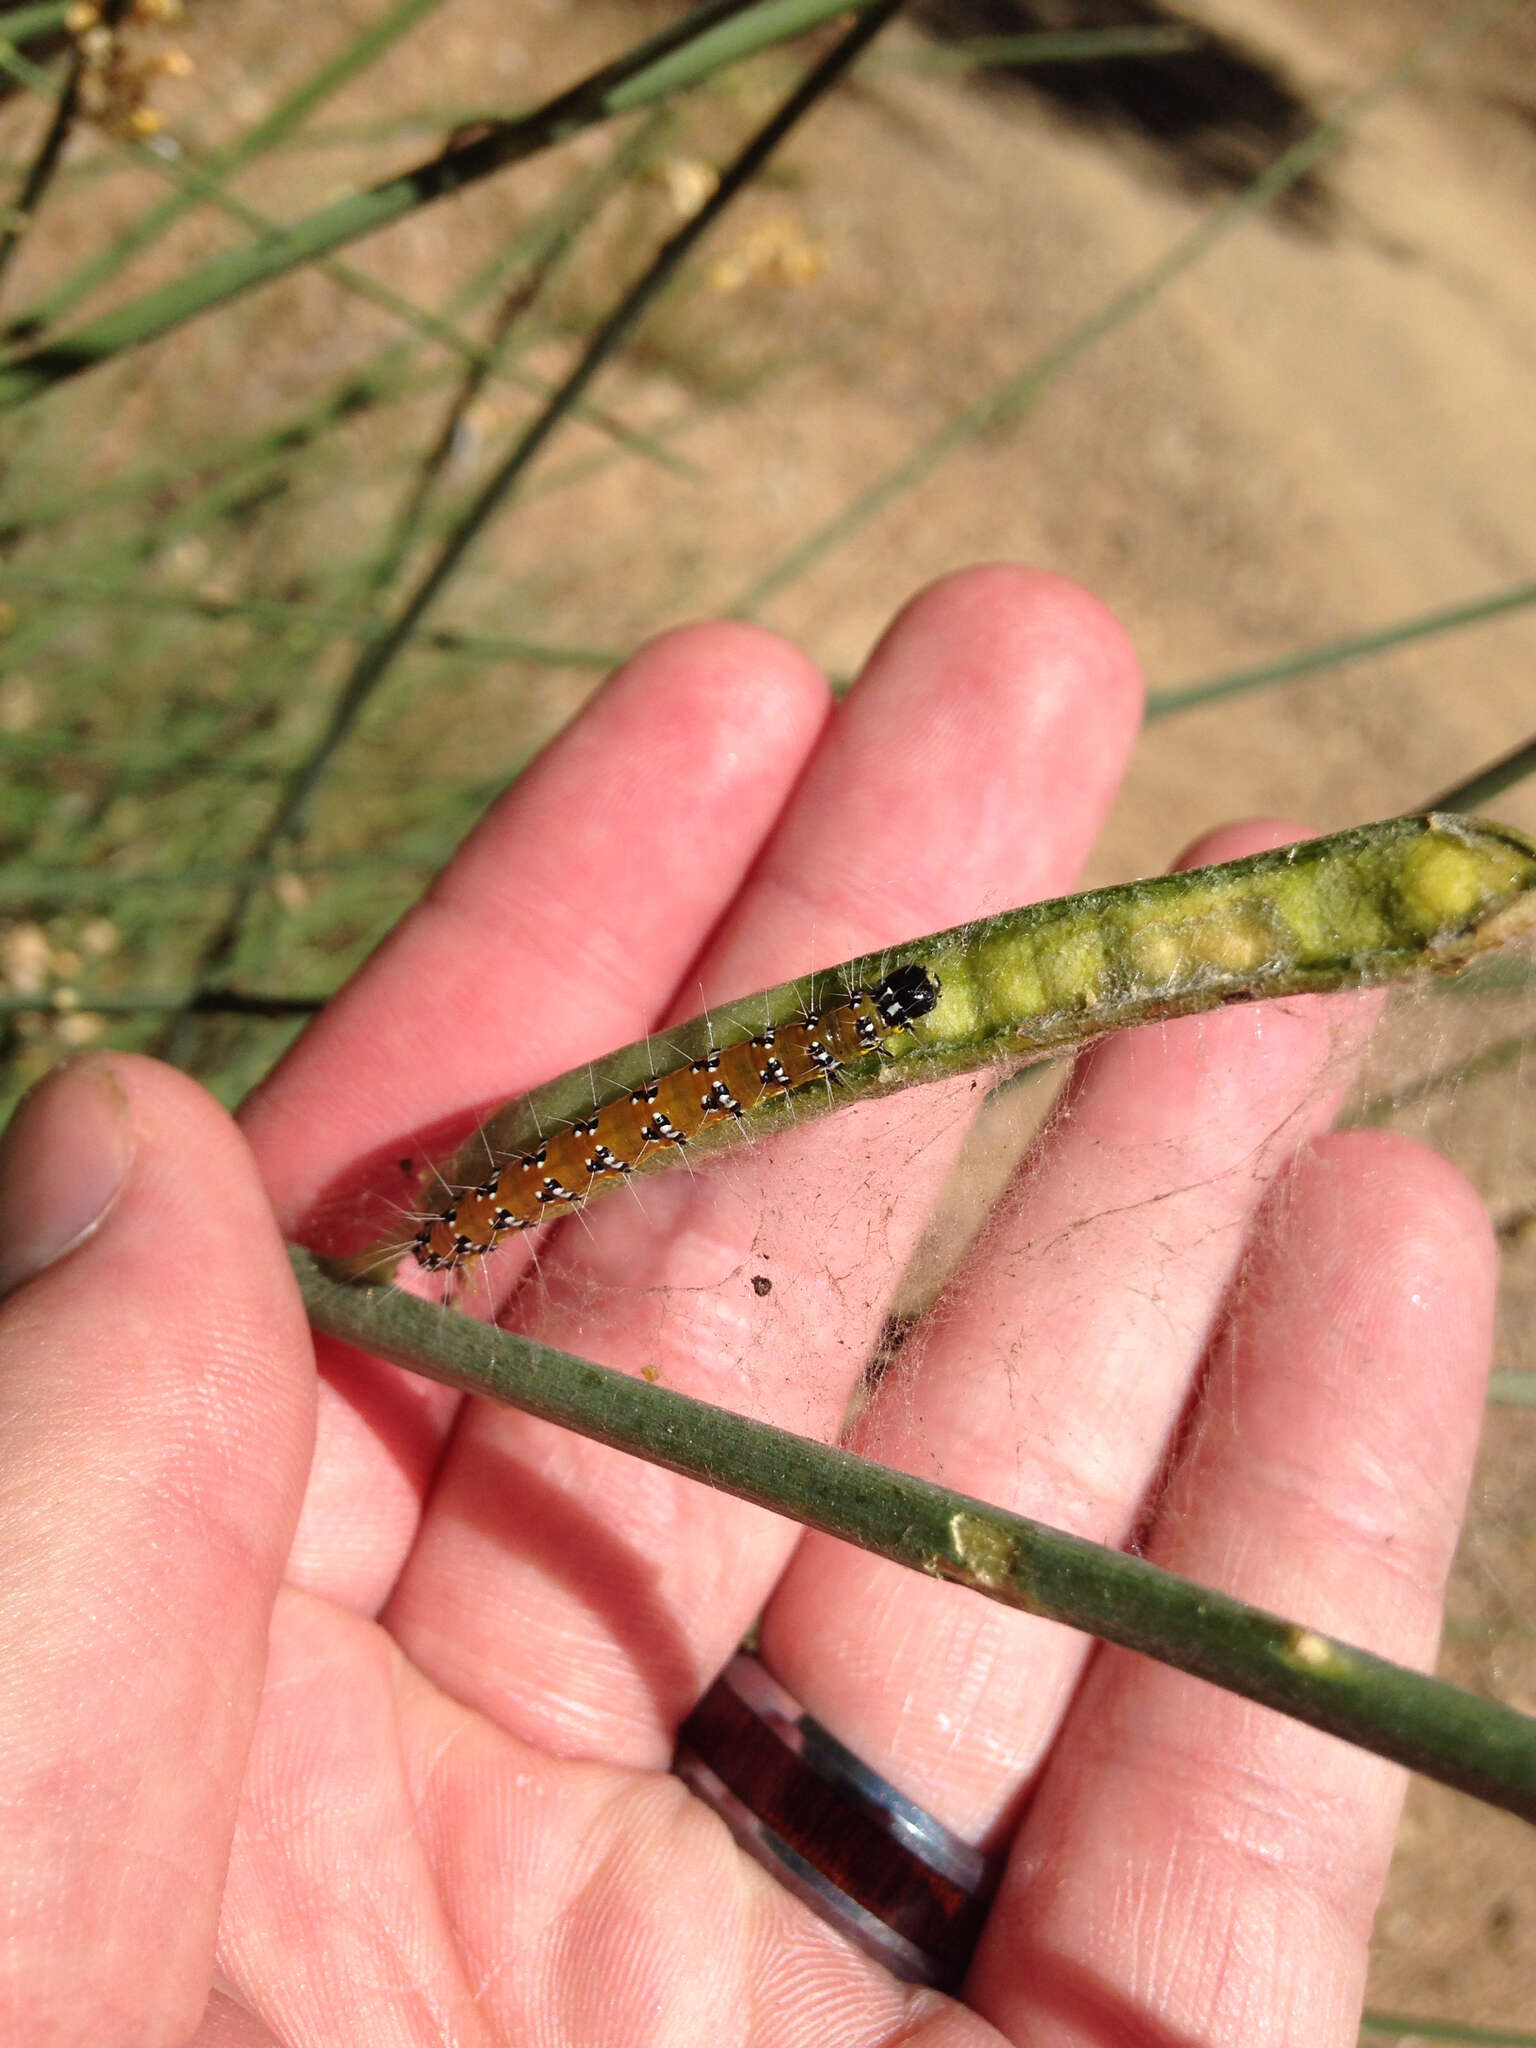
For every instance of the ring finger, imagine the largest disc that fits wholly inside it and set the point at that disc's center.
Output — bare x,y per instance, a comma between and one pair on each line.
1050,1378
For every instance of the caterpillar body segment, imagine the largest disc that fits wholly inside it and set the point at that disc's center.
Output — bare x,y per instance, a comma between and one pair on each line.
563,1172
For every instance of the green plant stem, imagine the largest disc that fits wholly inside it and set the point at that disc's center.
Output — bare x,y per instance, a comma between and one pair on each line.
1377,1110
364,49
45,164
485,361
406,527
682,55
378,657
1474,1744
387,378
21,24
517,302
1491,781
1375,2022
225,1002
1041,47
322,620
1335,653
609,337
387,381
24,884
194,183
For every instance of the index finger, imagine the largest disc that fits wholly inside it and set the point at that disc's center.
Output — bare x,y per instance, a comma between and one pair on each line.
558,930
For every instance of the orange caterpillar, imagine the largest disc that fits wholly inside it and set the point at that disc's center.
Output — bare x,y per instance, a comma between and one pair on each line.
670,1110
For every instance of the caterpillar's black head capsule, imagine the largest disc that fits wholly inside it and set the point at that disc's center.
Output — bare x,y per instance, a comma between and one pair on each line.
906,993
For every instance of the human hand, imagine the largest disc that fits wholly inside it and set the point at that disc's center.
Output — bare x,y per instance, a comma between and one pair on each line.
362,1713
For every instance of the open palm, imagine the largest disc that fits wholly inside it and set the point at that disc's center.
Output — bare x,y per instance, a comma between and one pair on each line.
339,1709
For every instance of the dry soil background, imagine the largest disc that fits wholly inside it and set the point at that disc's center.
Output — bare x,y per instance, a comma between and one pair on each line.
1328,424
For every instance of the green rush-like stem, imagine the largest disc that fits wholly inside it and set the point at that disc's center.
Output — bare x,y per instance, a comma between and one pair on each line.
194,182
1336,653
1407,2028
1474,1744
21,24
49,156
681,55
69,1001
1044,47
1491,781
1377,1110
378,656
386,379
326,622
271,132
521,294
1355,909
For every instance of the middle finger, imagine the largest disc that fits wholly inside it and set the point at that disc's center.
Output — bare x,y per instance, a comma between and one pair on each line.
580,1597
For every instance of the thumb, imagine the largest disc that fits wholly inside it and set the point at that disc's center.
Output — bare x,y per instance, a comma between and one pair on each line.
156,1394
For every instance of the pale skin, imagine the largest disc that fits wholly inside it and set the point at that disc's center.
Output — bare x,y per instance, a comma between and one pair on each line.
337,1709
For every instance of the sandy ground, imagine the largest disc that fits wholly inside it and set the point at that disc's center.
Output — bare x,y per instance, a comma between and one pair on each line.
1325,426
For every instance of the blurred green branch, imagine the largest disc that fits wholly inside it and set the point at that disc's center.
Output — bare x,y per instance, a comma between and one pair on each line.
1336,653
682,55
1474,791
610,335
364,49
1373,2022
322,620
195,183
